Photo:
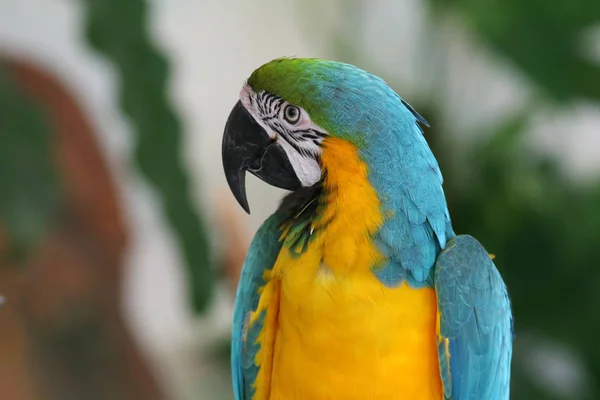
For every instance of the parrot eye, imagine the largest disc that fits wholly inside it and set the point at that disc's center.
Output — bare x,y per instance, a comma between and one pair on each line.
291,114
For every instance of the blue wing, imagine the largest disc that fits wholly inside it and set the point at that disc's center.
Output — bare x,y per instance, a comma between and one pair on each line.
261,256
475,328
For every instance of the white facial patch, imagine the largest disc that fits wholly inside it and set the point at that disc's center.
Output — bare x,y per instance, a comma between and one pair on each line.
307,169
300,140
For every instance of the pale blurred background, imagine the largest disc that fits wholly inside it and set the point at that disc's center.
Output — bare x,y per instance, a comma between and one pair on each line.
120,244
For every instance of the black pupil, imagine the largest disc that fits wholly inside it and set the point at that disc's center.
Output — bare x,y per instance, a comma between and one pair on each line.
292,113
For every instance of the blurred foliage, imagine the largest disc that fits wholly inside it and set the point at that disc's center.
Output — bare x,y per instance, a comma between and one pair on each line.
29,186
546,39
118,29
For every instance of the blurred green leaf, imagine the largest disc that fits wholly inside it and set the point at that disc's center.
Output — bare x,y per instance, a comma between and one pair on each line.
543,38
118,29
29,187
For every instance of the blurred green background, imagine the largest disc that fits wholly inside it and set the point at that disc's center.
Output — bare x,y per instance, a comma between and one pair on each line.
120,245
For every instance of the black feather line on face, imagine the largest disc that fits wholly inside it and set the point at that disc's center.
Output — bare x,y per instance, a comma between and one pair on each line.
261,104
317,133
278,104
293,142
308,136
269,102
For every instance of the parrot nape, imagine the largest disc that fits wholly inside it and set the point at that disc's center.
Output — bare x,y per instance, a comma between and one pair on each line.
357,286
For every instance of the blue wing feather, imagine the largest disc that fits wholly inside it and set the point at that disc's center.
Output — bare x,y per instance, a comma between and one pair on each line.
475,347
261,256
419,224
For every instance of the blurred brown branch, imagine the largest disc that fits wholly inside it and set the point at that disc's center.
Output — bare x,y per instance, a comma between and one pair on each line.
62,329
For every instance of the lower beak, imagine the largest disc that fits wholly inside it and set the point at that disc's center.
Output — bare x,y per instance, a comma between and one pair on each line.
248,147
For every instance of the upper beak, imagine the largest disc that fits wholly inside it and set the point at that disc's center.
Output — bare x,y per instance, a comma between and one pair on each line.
248,147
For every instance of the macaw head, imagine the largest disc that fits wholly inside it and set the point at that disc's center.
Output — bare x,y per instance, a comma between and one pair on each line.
288,110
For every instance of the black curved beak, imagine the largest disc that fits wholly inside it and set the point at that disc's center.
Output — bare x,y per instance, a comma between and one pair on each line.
248,147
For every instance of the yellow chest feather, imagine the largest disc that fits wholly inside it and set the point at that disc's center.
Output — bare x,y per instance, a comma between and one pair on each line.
336,332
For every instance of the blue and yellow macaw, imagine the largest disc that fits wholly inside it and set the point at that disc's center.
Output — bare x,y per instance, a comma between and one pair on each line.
357,286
